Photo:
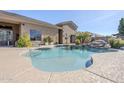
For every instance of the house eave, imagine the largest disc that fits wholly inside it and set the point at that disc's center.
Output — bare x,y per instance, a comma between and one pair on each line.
16,18
69,23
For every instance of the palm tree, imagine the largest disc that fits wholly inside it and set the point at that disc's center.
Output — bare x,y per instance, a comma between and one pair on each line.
84,37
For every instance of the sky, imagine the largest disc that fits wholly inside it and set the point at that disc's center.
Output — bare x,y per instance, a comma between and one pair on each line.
104,22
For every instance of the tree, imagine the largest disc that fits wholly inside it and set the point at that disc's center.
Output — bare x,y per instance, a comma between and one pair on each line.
84,37
121,26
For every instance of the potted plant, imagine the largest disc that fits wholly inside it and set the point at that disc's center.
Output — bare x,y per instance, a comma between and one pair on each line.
50,40
45,41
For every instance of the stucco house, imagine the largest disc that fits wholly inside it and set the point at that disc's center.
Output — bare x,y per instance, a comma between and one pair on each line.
14,25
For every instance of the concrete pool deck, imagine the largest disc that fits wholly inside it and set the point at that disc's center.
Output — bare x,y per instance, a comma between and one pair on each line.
14,68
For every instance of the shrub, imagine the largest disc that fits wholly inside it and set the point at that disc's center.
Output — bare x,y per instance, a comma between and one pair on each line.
20,42
121,43
116,43
77,42
27,41
24,41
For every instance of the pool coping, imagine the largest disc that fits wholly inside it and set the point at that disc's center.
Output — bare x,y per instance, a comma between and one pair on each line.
85,69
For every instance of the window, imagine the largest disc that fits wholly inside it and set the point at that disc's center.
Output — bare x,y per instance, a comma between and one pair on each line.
35,35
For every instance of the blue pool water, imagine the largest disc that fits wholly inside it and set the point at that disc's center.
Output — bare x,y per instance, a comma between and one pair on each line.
61,59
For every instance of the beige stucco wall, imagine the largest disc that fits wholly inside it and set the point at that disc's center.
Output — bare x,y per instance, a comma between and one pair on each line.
46,31
69,31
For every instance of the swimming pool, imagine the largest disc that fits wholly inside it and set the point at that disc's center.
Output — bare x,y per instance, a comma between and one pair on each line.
61,59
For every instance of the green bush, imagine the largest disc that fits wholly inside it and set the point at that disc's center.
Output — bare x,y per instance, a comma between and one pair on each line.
20,42
77,42
27,41
121,43
24,41
116,42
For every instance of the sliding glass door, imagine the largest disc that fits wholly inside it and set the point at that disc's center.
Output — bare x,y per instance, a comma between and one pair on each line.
6,37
